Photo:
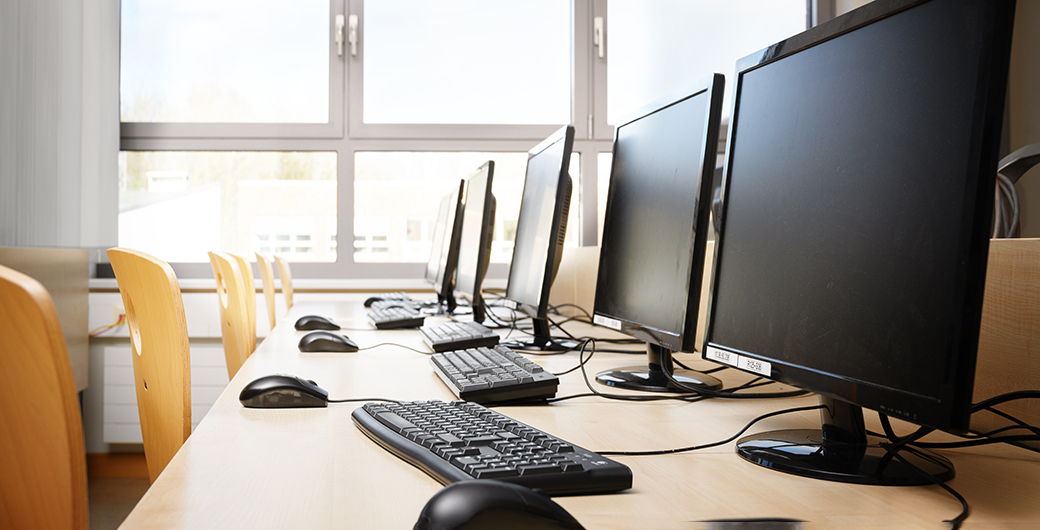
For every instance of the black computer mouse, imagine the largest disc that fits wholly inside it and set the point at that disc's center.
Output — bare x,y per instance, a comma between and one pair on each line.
326,341
371,300
283,391
312,322
492,505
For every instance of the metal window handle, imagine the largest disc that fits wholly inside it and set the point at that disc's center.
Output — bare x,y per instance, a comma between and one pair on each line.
597,35
340,21
352,35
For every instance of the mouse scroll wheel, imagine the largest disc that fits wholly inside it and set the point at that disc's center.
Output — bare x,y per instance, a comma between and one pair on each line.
312,382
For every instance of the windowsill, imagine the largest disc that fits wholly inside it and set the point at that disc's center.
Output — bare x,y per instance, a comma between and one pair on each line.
310,285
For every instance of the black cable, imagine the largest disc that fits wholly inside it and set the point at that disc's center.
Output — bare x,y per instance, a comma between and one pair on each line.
706,372
363,399
394,344
977,442
729,394
900,441
572,396
623,397
584,311
1004,398
713,444
965,509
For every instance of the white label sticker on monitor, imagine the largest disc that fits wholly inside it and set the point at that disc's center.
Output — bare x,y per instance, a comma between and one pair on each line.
722,356
754,365
608,322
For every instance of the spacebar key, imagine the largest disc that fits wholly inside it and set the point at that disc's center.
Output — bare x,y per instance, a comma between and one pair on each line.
540,469
394,421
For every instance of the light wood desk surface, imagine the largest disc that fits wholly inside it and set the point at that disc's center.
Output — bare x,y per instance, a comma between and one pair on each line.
312,468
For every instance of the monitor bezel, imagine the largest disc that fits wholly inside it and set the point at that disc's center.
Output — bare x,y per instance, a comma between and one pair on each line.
445,281
950,410
433,265
561,205
685,338
486,231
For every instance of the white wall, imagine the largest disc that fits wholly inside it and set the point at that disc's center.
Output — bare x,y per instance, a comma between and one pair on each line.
59,122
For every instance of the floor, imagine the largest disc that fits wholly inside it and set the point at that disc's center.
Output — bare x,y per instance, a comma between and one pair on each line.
111,500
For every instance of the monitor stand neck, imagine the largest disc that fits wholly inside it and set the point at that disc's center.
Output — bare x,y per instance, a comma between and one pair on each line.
478,309
841,451
447,303
652,377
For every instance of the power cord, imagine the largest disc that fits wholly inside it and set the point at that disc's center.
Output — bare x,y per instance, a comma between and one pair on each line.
381,344
712,444
352,400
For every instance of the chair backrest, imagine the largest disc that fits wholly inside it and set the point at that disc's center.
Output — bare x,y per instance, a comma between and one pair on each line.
286,276
249,292
43,462
234,328
162,362
267,275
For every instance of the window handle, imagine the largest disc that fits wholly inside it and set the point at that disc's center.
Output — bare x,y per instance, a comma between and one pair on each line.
597,35
340,21
352,35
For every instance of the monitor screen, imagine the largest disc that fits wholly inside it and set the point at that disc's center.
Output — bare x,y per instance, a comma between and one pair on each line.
541,229
478,220
856,205
655,226
437,248
446,246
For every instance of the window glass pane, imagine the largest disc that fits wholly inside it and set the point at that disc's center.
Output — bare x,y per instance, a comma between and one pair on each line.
180,205
467,61
395,192
257,61
657,48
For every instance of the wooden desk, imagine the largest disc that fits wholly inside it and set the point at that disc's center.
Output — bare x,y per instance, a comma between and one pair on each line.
312,468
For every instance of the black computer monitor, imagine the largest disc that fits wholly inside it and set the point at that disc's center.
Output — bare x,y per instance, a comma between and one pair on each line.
856,208
478,222
540,232
444,254
651,259
433,265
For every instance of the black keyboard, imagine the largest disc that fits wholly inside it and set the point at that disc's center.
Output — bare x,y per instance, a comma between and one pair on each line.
463,441
395,317
394,297
458,336
490,375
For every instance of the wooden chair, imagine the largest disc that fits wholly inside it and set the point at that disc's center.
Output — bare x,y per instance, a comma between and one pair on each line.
234,316
43,462
162,362
249,293
263,263
286,276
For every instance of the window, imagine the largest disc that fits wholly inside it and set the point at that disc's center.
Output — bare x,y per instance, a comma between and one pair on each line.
252,126
396,194
256,61
704,37
179,205
467,62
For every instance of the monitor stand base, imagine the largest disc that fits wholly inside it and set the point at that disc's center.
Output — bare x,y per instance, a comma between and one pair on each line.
652,377
846,454
542,340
